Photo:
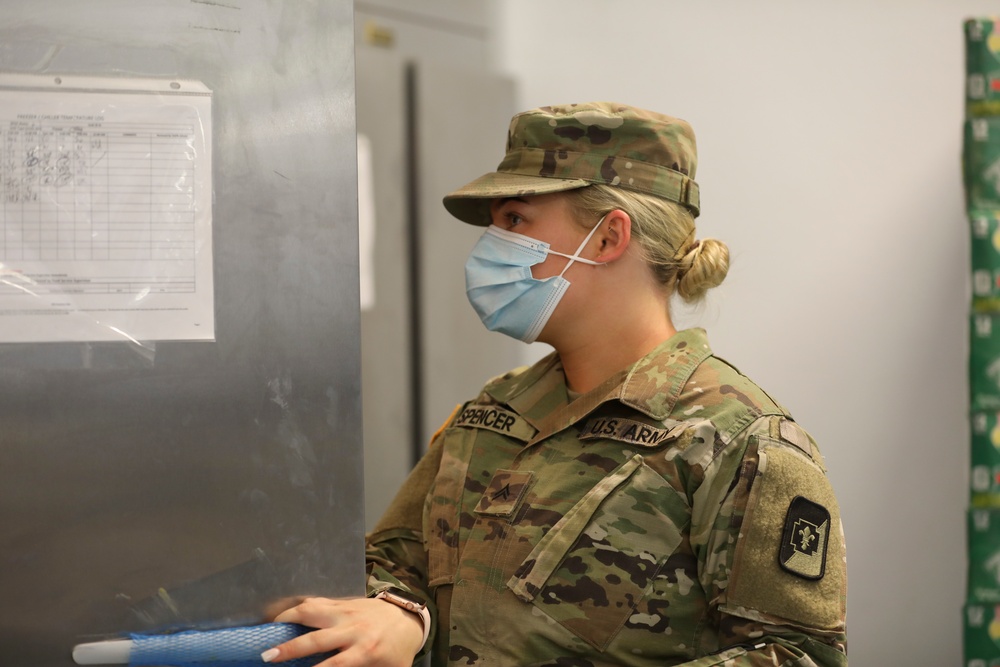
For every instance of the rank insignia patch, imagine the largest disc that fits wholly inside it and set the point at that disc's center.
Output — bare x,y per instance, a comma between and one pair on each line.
504,493
804,539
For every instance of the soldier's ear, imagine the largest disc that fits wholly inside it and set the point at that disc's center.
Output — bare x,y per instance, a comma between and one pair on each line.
614,236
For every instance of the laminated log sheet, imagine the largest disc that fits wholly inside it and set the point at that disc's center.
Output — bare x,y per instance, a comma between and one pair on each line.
105,223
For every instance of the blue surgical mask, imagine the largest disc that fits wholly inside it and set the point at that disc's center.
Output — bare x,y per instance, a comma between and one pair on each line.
500,286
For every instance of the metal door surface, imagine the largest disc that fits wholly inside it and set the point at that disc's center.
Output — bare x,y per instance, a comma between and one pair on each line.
151,485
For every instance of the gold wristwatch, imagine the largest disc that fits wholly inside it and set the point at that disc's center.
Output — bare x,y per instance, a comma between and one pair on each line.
409,602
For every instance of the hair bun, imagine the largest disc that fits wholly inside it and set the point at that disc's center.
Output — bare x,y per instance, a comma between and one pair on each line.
703,266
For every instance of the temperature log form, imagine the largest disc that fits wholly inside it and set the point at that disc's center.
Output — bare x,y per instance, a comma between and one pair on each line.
105,209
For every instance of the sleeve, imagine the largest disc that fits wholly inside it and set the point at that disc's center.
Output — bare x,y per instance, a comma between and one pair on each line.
394,550
774,561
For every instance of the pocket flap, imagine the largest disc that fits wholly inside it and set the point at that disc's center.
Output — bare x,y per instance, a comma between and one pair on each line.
545,557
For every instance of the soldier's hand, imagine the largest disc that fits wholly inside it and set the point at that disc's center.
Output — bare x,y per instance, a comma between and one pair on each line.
363,631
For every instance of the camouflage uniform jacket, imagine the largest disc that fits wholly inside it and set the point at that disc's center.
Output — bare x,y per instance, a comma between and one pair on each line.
675,515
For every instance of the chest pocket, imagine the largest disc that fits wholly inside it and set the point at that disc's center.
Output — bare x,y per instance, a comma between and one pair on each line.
442,506
596,563
482,438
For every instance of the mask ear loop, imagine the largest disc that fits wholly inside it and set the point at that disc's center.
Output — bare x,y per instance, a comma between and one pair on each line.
575,257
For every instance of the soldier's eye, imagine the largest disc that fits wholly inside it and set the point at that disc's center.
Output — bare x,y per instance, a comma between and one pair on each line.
513,219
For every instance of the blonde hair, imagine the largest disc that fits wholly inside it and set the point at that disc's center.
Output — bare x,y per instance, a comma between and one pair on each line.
664,231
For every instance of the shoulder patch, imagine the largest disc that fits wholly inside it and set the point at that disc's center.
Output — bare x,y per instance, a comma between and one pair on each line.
805,538
778,568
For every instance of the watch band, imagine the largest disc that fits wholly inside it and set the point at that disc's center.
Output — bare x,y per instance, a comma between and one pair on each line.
409,602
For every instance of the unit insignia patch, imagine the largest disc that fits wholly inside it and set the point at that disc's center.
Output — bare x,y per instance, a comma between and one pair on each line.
804,539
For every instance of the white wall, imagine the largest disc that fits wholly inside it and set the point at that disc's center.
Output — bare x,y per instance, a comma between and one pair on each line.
830,140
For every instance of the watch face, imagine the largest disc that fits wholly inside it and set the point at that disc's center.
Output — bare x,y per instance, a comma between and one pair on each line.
409,597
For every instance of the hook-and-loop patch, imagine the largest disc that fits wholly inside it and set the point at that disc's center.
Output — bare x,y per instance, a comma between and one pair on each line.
805,539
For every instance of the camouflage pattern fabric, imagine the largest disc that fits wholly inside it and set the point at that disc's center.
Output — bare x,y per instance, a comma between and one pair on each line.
675,515
557,148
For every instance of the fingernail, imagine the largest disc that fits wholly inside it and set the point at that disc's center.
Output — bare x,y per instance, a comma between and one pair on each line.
269,655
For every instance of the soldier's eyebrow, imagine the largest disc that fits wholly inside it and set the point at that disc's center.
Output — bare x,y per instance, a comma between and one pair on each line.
499,203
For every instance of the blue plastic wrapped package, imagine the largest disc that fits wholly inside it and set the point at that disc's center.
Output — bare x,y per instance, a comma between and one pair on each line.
228,647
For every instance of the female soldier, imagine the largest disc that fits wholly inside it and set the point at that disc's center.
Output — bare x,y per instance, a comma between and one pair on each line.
631,499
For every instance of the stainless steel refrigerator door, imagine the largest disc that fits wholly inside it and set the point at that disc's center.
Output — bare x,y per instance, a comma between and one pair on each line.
195,484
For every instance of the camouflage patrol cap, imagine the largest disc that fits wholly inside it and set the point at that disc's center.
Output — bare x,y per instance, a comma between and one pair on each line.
557,148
